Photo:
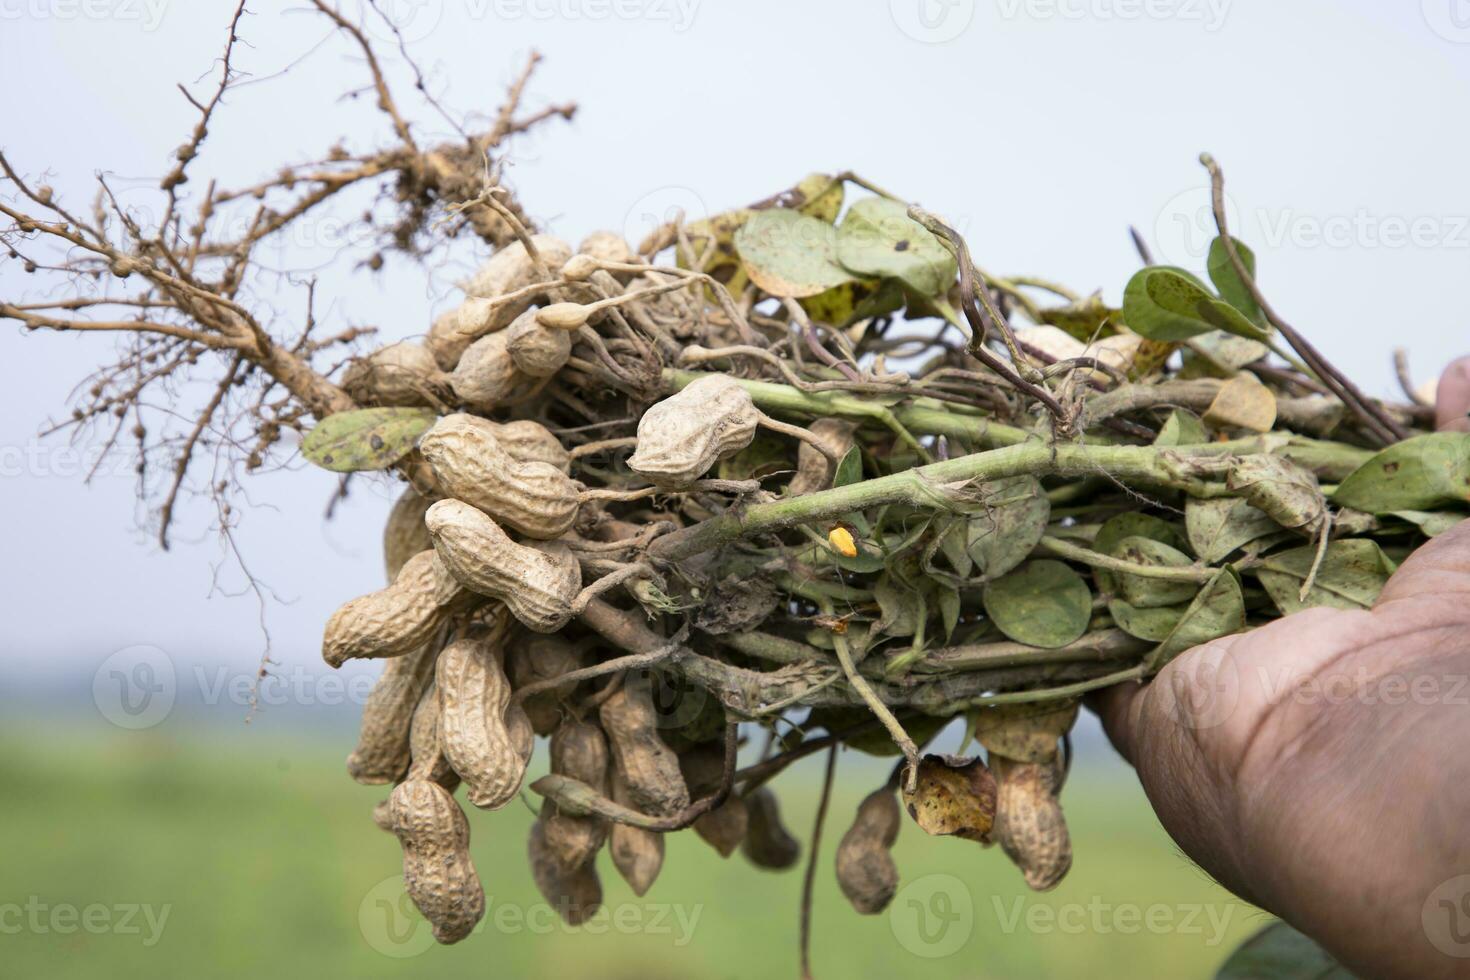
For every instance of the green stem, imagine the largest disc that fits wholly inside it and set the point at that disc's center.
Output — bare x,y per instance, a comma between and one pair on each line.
1169,573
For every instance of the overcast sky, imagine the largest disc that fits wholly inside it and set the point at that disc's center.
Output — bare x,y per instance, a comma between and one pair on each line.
1042,127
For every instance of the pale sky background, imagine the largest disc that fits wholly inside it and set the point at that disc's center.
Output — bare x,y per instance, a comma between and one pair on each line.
1043,127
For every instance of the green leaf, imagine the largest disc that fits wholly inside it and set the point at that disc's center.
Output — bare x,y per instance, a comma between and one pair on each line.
1085,320
1182,428
1423,473
365,438
1043,604
1351,575
1165,303
787,253
949,608
1217,611
1279,952
1009,524
878,238
954,541
1220,525
1145,592
1432,523
1146,624
902,607
849,469
1126,525
1231,287
861,299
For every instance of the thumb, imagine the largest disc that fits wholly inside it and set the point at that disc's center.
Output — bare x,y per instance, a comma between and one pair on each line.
1452,397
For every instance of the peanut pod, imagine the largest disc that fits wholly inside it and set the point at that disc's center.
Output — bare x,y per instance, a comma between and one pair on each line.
1029,823
489,308
405,535
537,582
577,895
865,869
382,751
638,854
578,750
768,844
487,740
535,498
724,827
681,437
487,377
426,743
649,768
537,349
399,619
530,659
437,871
398,374
1026,732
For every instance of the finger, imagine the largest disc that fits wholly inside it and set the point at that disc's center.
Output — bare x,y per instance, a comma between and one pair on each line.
1438,571
1452,397
1117,707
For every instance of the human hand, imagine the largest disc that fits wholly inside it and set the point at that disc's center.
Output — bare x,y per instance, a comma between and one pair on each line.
1319,766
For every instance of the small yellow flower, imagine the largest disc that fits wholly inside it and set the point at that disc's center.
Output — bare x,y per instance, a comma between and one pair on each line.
841,539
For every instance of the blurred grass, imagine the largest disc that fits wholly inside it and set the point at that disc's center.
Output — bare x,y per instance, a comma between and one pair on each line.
263,855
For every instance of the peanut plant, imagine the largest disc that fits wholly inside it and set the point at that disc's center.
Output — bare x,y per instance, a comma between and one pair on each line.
805,460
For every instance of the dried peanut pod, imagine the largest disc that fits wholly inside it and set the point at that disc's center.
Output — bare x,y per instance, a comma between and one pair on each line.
530,659
638,854
865,869
538,582
577,895
383,815
485,311
649,767
486,739
814,471
607,246
382,751
681,437
1029,823
426,743
1026,732
578,750
579,267
724,827
486,376
437,871
537,351
768,844
470,464
526,441
405,535
399,619
398,374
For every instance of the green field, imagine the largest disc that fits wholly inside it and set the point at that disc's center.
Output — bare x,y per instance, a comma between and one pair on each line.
261,854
